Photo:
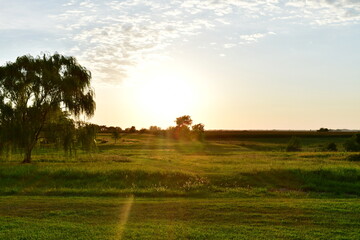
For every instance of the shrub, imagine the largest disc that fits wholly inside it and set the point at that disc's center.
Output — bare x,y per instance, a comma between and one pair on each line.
115,135
155,130
294,145
352,144
331,147
198,132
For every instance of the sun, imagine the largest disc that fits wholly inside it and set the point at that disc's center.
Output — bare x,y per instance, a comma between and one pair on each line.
166,95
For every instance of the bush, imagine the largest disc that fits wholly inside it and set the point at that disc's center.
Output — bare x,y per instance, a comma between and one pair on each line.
198,132
352,144
331,147
294,145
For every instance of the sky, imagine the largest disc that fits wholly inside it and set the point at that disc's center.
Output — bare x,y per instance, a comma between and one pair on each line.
229,64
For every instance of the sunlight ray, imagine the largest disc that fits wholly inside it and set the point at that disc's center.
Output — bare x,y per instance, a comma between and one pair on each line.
124,216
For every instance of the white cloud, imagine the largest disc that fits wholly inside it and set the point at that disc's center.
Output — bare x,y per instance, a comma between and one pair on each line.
328,12
229,45
253,38
113,36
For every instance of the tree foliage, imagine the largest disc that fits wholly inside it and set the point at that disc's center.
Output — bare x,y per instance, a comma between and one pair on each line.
323,130
198,131
182,129
155,130
86,136
183,121
353,144
32,88
115,134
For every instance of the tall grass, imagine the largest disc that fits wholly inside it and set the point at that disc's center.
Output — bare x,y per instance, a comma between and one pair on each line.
154,165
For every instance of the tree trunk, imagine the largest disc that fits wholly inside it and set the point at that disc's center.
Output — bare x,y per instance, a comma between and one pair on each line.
27,157
29,148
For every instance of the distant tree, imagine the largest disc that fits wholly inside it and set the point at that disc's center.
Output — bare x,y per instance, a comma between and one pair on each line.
31,88
323,130
198,131
183,121
294,145
132,129
182,129
155,130
115,134
143,130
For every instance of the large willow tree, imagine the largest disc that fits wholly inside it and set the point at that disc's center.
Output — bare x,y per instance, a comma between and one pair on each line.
31,88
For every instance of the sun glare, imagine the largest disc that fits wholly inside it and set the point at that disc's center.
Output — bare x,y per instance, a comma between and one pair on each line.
166,95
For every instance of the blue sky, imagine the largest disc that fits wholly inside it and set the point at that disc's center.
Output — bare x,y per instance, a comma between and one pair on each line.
230,64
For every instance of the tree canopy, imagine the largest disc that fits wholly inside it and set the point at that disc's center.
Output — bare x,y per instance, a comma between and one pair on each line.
32,88
183,121
182,129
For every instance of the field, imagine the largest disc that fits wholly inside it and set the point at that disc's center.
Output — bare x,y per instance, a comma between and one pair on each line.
235,185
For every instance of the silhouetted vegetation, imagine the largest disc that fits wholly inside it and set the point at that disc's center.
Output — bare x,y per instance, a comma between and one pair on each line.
323,130
198,131
332,147
115,134
182,129
32,89
353,144
130,130
86,136
244,134
143,131
155,130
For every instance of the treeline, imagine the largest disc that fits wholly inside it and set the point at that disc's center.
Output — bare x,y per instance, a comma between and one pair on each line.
232,134
184,130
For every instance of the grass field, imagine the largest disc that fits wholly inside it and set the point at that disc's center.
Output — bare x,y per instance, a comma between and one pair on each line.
147,187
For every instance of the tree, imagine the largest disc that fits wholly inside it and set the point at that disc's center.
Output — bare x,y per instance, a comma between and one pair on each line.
155,130
323,130
182,129
198,131
86,136
132,129
183,121
60,130
32,87
143,130
115,134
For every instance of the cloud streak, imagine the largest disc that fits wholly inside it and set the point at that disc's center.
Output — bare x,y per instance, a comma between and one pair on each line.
111,37
253,38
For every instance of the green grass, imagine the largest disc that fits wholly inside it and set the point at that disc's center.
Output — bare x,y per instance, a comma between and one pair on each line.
238,188
178,218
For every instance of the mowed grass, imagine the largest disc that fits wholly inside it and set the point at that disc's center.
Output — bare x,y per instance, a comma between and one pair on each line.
147,187
178,218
